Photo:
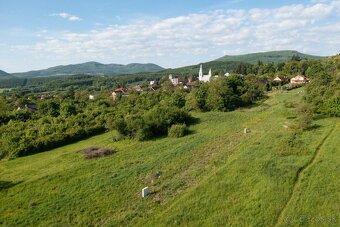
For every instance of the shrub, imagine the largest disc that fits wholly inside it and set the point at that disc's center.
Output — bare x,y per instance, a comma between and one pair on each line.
288,104
118,137
177,130
119,124
143,133
305,117
332,107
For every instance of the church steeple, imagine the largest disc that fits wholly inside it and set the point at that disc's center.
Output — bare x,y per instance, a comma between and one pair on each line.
200,73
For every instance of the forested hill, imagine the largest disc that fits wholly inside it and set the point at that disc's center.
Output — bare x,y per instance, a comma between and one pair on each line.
216,66
93,68
3,74
267,57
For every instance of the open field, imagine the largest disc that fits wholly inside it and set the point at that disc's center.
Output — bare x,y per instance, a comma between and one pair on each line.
4,89
215,176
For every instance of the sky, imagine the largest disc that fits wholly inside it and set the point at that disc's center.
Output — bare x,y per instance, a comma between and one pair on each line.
37,34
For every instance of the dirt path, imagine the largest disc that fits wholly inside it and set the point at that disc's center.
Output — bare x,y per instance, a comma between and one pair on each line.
300,174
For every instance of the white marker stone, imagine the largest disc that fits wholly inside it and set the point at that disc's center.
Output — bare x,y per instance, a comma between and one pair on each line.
145,192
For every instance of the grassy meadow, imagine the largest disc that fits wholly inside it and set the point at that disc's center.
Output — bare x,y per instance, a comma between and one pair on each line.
216,175
4,89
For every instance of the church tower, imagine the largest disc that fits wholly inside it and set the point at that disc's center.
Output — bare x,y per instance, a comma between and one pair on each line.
200,73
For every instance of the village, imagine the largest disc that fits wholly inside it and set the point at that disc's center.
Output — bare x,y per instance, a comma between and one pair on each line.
190,82
179,82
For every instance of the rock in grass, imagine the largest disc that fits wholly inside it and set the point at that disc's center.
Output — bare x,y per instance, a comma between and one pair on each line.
145,192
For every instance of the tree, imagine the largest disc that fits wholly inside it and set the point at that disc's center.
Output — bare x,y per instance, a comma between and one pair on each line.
22,101
280,66
241,69
314,69
219,95
305,117
332,107
3,106
48,108
67,108
291,68
70,93
191,102
167,85
177,99
296,57
201,96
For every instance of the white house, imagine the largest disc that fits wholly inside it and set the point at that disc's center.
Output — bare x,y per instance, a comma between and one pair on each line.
204,78
299,79
174,80
277,79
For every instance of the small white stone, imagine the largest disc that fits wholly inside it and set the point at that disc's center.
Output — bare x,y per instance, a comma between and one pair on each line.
145,192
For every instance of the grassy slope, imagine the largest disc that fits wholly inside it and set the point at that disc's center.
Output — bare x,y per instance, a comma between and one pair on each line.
215,175
316,198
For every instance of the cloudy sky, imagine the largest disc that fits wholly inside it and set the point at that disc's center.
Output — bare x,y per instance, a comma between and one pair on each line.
36,34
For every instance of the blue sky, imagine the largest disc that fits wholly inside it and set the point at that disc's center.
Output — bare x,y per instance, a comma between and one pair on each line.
36,34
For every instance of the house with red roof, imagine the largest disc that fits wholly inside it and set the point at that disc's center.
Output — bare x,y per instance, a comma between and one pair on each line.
119,92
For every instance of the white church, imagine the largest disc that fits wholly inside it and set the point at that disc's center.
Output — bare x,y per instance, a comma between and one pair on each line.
204,78
207,78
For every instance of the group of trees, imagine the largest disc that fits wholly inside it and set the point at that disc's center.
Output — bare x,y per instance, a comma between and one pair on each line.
146,124
66,116
323,92
149,114
308,67
57,120
225,94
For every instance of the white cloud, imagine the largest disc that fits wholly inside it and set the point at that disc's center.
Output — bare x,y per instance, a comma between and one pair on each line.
66,16
192,38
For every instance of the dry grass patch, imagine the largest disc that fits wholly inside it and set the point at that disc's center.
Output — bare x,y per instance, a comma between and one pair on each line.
96,152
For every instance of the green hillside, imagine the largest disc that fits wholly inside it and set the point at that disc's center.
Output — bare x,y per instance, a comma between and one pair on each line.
267,57
4,75
93,68
216,66
215,176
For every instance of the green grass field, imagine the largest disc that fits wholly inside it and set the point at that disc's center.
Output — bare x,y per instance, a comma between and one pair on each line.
4,89
217,175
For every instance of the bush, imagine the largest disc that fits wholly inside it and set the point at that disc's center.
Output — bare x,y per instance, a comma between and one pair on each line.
177,130
305,117
143,133
288,104
332,107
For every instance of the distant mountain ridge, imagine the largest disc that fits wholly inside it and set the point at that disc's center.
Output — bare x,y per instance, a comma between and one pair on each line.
227,63
231,62
3,74
92,68
267,57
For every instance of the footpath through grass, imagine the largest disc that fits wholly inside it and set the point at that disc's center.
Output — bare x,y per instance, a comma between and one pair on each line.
215,176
